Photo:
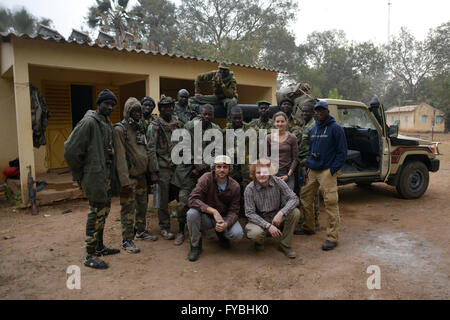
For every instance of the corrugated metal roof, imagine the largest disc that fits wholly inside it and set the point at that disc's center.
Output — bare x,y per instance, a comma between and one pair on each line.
402,109
141,51
412,108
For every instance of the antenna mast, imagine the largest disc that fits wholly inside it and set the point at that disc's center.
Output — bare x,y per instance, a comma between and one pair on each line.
389,21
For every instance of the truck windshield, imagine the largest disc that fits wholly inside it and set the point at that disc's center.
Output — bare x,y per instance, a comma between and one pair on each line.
355,117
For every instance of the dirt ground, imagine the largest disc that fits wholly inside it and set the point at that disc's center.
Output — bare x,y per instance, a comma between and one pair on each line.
409,240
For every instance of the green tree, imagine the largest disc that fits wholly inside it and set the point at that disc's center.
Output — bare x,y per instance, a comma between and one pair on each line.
156,22
334,94
410,61
110,16
21,21
227,27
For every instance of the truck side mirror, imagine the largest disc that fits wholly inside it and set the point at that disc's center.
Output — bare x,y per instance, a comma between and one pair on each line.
393,131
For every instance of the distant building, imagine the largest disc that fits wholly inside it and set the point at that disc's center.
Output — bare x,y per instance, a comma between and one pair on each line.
418,118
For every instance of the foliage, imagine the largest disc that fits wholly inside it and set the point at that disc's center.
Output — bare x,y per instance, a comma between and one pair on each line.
156,22
110,16
21,21
334,94
231,29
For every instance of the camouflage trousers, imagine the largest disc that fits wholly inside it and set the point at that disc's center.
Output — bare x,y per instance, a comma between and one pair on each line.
164,177
182,207
133,208
98,212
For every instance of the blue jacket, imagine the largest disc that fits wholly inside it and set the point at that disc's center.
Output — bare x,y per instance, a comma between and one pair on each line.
328,141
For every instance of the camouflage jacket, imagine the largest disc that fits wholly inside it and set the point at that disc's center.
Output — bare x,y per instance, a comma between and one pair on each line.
185,114
146,122
90,154
258,124
303,145
239,172
295,126
39,116
228,88
182,175
159,143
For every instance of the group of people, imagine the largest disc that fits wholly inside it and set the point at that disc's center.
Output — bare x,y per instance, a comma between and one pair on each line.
131,157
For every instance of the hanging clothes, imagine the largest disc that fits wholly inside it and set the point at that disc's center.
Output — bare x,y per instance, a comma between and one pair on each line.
39,116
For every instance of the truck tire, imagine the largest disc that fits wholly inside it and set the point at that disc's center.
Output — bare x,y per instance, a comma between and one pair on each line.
413,180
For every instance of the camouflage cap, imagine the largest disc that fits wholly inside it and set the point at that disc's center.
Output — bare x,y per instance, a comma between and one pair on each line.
166,100
224,65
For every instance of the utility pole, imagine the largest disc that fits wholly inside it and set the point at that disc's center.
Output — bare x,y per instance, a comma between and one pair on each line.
389,21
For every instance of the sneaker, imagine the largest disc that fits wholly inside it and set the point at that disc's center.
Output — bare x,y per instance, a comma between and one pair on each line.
130,247
144,235
106,251
167,235
288,251
329,245
259,247
92,261
179,239
303,232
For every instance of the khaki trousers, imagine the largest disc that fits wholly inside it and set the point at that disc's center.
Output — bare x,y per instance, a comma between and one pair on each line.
327,182
258,234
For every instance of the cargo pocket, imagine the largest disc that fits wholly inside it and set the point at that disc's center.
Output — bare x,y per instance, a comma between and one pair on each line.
330,196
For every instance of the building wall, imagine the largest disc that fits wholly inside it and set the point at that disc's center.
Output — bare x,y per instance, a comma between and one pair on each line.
78,64
8,127
415,123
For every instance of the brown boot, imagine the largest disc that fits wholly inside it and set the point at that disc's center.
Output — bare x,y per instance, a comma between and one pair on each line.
288,251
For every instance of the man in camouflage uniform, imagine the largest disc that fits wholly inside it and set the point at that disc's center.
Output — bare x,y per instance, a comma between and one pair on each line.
264,121
239,172
132,167
294,123
224,86
159,136
148,105
89,153
303,152
183,110
186,175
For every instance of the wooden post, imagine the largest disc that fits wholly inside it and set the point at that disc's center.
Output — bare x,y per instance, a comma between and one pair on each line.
152,88
24,128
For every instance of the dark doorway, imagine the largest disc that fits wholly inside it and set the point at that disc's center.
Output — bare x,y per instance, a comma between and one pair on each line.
81,98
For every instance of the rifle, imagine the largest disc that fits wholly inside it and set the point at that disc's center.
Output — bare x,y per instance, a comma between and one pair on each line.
32,191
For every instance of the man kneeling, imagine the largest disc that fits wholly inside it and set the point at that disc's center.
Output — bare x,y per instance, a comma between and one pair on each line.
263,208
214,203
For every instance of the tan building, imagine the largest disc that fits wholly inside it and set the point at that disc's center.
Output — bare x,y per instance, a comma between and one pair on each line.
418,118
70,74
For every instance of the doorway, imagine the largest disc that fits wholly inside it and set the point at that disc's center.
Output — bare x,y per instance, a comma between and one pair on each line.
81,100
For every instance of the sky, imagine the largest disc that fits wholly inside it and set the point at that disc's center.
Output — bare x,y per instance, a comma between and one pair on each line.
361,20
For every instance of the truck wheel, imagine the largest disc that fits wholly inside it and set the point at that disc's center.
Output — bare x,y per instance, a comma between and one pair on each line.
413,180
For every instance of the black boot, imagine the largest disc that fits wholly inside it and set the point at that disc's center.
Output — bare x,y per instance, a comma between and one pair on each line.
223,241
194,253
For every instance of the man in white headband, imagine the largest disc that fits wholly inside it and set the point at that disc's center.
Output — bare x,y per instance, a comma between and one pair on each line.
214,203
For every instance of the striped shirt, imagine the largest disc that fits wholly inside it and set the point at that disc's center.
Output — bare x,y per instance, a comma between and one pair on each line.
263,203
